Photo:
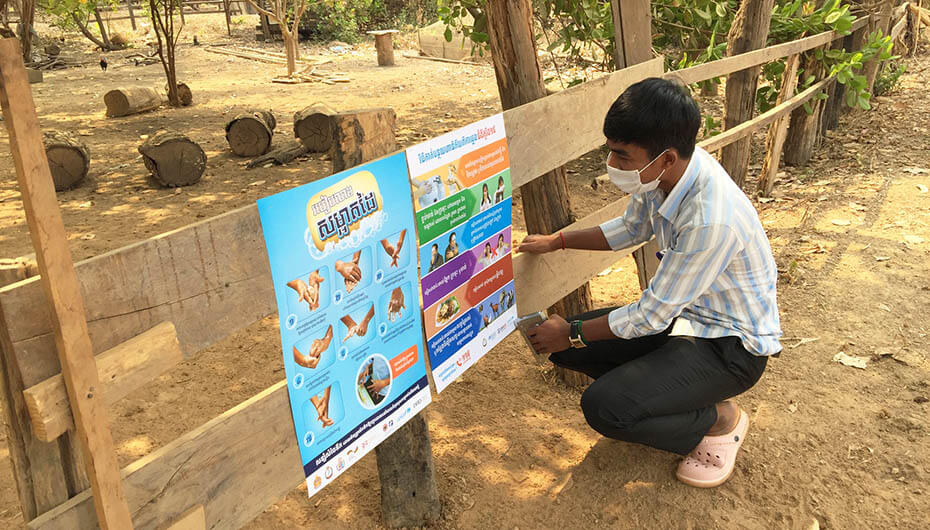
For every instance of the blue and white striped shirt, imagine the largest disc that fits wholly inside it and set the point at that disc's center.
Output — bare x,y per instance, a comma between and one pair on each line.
717,270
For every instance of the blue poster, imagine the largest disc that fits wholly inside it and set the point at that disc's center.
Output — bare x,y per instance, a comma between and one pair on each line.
343,260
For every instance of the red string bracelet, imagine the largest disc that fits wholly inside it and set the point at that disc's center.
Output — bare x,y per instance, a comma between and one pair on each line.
563,239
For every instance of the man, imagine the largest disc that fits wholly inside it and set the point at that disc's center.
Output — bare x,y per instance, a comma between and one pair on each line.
703,330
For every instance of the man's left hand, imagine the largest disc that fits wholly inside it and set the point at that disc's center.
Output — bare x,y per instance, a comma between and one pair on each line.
550,336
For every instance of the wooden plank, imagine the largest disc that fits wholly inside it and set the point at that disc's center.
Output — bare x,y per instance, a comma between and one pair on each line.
121,370
728,65
60,284
231,475
194,519
898,28
210,278
647,262
778,131
543,279
619,59
547,133
745,129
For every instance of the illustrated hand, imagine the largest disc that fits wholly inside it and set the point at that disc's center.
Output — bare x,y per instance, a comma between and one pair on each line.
351,327
304,293
540,244
388,247
400,244
396,303
551,335
376,385
313,287
362,327
350,271
318,346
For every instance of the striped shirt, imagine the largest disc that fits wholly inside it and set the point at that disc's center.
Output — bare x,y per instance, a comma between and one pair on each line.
716,270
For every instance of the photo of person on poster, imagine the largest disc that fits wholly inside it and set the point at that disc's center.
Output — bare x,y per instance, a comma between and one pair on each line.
501,190
485,198
435,260
452,250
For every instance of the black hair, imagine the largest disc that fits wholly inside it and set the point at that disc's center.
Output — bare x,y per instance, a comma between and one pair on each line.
655,114
435,246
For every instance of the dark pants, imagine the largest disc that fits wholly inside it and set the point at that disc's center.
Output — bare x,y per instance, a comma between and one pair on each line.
659,390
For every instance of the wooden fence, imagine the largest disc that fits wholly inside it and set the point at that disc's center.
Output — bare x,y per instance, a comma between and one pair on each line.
194,286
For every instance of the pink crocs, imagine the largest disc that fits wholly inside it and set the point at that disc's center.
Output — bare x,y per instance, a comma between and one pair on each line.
711,463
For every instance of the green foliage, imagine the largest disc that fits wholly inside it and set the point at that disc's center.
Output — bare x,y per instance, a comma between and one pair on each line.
348,20
61,10
887,79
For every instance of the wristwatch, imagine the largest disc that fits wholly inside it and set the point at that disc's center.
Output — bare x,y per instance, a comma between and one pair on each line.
574,335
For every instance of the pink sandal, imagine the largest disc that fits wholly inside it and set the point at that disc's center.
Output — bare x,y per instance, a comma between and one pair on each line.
711,463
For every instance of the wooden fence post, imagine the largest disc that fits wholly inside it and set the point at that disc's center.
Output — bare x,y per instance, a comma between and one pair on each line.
880,21
633,45
749,30
409,496
60,283
546,203
775,140
804,129
132,16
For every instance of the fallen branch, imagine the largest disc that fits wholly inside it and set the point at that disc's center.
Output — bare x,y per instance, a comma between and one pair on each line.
443,60
279,156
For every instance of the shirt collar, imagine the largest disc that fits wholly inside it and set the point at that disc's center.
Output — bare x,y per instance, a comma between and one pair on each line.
671,203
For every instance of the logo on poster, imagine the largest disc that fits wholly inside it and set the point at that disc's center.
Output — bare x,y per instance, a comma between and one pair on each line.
334,212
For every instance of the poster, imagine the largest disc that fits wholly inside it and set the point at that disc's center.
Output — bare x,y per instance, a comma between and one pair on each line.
463,200
343,260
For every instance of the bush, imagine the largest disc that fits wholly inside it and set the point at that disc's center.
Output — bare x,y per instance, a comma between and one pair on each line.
348,20
888,77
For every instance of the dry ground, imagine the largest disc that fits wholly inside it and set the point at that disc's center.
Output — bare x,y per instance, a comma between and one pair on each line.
851,234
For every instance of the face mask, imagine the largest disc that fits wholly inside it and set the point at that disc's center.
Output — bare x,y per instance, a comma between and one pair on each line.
628,179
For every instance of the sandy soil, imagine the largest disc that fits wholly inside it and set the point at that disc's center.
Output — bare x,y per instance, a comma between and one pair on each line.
851,234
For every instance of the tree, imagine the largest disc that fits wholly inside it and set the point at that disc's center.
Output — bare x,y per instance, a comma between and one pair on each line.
27,14
287,14
77,13
167,34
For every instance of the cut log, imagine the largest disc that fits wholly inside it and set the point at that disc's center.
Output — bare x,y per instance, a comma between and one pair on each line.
68,158
132,100
358,135
313,126
249,134
280,156
173,159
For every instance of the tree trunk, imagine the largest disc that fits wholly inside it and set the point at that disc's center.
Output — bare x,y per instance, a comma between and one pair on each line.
185,96
804,129
313,126
384,45
749,30
546,204
27,17
409,496
173,159
126,101
290,47
68,159
82,26
250,134
103,30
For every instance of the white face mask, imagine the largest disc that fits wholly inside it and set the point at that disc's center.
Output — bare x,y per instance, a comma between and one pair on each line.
628,179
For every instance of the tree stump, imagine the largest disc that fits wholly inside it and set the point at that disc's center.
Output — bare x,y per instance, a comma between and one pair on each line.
362,135
384,44
132,100
313,126
173,159
68,159
184,94
250,134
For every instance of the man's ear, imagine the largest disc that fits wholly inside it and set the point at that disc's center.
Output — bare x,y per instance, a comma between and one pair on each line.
670,158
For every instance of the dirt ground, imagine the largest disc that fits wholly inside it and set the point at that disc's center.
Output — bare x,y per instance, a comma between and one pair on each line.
846,446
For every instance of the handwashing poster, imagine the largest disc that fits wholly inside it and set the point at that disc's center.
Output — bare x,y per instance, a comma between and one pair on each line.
343,260
463,198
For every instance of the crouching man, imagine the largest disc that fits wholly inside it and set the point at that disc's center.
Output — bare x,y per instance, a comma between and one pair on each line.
665,366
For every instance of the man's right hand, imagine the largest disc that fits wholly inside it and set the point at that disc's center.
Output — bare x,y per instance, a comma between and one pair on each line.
540,244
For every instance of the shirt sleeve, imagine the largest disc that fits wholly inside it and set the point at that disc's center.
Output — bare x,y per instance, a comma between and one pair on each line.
630,229
685,273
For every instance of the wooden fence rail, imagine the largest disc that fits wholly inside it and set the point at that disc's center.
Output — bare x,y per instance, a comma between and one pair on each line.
211,279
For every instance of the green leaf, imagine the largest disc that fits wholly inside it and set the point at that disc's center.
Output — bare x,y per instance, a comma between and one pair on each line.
833,17
721,10
703,14
864,103
448,34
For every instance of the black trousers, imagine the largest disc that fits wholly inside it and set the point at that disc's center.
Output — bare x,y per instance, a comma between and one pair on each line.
659,390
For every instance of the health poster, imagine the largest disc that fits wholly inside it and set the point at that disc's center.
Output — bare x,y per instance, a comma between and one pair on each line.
343,260
463,200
